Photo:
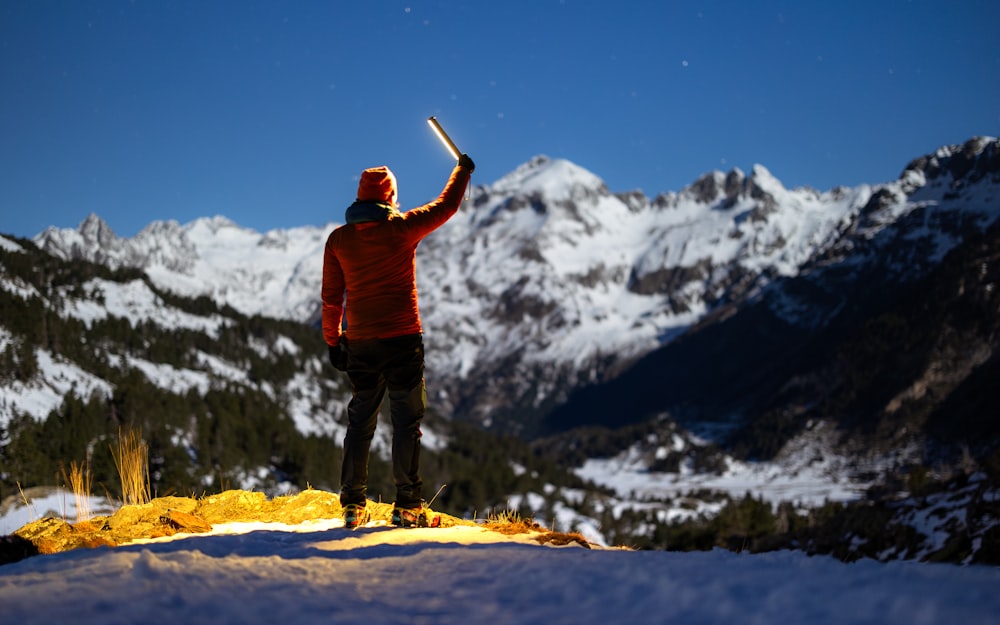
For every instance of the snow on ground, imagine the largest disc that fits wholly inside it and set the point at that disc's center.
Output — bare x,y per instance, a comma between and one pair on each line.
9,245
319,572
165,376
136,302
632,479
47,502
305,406
57,378
805,473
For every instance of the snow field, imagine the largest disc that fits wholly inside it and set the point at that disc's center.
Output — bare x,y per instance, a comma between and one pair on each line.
321,573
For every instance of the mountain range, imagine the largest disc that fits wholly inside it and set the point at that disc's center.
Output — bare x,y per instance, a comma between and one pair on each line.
848,332
546,281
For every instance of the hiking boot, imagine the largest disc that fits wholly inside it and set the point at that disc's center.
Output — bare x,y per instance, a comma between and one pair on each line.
409,517
355,516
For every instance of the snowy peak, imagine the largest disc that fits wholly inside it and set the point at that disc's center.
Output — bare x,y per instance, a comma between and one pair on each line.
715,187
763,183
169,227
93,240
93,229
938,199
965,164
725,190
540,210
556,179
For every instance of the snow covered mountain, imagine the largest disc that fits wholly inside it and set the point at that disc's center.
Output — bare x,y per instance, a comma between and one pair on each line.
547,281
727,338
276,274
883,258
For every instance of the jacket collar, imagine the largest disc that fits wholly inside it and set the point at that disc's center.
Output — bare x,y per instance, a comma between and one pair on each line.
361,212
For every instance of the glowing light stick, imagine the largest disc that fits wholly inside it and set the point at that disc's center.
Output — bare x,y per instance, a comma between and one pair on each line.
443,136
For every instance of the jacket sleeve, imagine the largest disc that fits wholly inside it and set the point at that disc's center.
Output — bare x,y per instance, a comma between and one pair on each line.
425,219
332,294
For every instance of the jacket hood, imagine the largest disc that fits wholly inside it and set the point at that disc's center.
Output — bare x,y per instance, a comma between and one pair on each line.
378,184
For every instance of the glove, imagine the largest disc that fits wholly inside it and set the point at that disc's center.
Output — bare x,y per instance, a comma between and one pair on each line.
466,163
338,355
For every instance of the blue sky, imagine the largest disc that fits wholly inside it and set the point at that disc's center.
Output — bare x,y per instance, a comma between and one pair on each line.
266,112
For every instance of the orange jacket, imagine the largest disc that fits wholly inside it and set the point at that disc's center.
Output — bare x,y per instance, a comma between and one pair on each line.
373,266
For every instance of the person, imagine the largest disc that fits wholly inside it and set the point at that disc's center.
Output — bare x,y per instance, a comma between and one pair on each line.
369,276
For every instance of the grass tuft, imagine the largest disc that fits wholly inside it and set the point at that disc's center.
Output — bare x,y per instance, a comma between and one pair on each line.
509,522
27,502
80,482
132,461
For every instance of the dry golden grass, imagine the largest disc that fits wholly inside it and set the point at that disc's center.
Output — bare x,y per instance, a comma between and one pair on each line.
27,502
166,516
131,456
80,482
510,523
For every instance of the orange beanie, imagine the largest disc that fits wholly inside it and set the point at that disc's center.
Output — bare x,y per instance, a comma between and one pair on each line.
378,184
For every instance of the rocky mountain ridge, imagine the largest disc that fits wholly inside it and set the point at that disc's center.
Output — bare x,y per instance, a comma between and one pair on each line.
546,280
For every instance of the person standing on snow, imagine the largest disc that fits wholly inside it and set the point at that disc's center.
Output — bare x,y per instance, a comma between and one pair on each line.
369,272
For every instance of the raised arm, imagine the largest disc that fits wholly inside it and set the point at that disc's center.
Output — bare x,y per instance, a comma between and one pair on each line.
425,219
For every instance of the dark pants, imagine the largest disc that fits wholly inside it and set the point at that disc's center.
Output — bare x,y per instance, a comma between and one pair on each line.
396,365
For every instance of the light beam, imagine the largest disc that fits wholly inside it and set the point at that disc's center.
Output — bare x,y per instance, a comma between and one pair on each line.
443,136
